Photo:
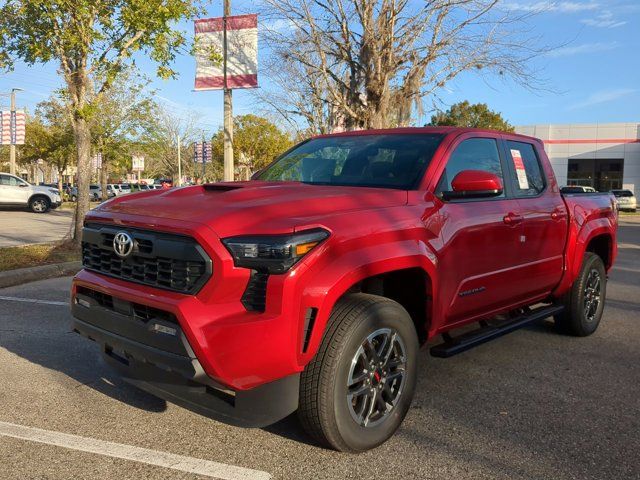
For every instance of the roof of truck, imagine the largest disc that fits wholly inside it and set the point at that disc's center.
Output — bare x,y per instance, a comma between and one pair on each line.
432,130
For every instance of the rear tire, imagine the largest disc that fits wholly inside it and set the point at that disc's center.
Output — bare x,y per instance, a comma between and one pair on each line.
40,204
358,388
584,303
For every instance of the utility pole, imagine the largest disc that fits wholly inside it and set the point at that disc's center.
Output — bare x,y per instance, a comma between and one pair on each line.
228,104
12,146
179,162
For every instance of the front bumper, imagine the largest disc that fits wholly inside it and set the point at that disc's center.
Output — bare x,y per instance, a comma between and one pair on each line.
150,350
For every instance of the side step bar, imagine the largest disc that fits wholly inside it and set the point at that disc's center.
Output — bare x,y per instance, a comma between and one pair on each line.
454,345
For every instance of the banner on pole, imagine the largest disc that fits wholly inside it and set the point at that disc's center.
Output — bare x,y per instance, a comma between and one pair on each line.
206,152
197,152
242,52
12,124
137,163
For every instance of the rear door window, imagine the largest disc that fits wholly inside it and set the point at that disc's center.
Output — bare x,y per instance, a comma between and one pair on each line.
529,179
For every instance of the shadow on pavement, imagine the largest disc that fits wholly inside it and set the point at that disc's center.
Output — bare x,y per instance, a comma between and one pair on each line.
41,334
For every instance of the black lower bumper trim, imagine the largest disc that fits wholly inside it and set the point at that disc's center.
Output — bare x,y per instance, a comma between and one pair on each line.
181,379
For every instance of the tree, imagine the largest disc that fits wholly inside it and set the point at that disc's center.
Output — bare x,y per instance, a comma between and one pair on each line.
164,133
256,142
49,136
92,41
478,115
371,63
123,113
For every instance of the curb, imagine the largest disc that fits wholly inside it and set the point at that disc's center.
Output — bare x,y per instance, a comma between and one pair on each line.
25,275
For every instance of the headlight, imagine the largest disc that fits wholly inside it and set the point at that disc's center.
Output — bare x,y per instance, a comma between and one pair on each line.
55,191
273,253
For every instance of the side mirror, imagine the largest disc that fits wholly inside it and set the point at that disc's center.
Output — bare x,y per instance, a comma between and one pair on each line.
23,185
474,184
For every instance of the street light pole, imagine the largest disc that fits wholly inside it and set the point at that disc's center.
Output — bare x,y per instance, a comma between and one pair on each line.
12,147
228,104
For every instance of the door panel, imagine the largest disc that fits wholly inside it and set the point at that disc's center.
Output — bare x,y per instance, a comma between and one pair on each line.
545,218
11,192
479,258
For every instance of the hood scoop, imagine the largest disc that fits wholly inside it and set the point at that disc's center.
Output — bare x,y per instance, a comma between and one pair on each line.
218,187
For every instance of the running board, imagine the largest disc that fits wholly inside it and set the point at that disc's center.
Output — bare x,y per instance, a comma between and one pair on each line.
454,345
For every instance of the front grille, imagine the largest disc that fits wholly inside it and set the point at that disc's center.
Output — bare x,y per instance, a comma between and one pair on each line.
161,260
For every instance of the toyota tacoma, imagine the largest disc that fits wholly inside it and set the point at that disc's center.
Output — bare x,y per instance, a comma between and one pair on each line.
312,287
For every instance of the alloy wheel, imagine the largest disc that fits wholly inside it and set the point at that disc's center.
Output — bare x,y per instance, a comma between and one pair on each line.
376,377
39,205
592,295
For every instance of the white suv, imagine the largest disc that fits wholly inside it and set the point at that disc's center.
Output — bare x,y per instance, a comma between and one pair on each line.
626,200
14,191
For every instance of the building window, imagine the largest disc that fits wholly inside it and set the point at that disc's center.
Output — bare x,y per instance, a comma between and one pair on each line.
603,174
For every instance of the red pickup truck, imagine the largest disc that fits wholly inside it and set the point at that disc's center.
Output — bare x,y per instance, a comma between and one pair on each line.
312,287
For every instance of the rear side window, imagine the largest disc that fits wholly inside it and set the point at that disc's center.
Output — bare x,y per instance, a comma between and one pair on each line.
529,179
8,180
472,154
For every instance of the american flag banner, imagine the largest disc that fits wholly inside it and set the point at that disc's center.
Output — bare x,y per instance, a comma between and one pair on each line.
12,126
242,52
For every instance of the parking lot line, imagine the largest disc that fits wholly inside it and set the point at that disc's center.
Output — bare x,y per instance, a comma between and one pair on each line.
137,454
34,300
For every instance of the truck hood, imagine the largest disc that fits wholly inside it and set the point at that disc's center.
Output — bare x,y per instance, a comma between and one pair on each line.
255,207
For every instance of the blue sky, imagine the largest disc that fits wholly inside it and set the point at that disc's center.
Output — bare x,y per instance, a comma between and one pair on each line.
594,76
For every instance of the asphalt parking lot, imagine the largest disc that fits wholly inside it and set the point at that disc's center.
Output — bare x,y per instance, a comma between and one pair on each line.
22,227
532,405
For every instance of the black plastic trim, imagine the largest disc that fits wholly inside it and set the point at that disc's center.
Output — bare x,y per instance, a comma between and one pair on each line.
181,379
455,345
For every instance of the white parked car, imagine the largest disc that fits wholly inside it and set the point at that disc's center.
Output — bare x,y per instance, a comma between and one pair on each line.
626,200
17,192
577,189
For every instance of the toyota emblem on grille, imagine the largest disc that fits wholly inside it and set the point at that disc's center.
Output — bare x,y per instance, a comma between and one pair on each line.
123,244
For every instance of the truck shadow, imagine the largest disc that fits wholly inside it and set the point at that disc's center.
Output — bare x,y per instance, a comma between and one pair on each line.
61,350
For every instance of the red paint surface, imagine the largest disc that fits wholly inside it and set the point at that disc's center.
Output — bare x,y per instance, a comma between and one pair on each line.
236,22
233,81
591,141
460,246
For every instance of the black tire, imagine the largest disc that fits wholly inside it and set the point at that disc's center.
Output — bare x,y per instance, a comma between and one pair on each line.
324,409
39,204
580,317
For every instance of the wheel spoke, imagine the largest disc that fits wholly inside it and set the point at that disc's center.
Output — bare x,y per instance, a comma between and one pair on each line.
373,354
358,379
372,404
387,355
358,392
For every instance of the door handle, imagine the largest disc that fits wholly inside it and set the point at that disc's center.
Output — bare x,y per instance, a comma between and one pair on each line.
558,215
512,219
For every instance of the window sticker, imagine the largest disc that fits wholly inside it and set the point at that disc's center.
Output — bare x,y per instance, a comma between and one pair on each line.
521,172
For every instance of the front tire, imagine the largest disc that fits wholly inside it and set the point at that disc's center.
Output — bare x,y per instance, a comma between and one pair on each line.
358,388
39,204
584,303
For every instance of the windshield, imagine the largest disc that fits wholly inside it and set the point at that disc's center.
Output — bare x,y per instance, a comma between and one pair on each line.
623,193
388,161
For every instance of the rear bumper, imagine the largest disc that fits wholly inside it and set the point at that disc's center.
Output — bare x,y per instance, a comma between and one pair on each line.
154,355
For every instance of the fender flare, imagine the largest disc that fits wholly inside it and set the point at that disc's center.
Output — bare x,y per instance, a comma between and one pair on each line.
337,277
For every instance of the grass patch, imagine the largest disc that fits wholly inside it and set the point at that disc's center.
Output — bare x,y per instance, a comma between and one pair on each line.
33,255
